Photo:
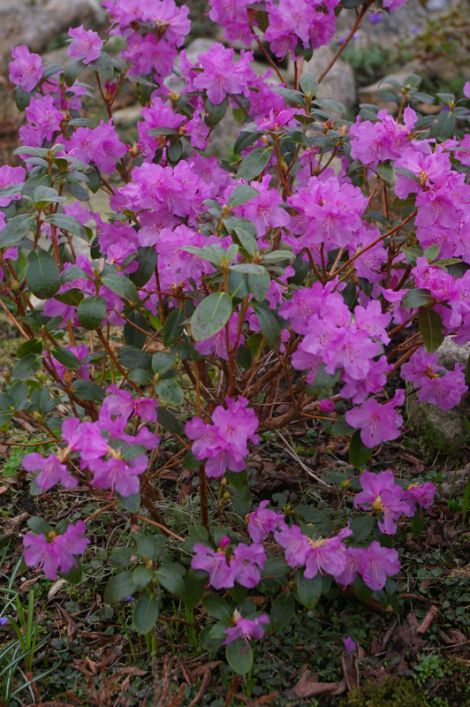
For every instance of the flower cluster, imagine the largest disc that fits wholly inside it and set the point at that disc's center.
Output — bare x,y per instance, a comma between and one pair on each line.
224,443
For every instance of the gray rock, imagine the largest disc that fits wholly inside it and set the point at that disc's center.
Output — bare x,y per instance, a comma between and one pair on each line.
339,83
373,92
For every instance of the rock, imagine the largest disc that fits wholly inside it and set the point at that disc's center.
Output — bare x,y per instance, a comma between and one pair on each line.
372,93
127,117
444,430
339,83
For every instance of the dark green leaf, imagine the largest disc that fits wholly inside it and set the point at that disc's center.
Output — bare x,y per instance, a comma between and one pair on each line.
15,230
87,390
308,590
168,421
359,454
282,610
119,587
417,297
239,656
211,315
145,614
431,329
170,392
254,163
170,576
42,275
122,286
242,194
269,324
91,312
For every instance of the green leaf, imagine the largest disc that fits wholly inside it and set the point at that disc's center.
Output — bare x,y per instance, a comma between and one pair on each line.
245,233
46,195
194,583
170,392
132,358
87,390
91,312
431,329
217,607
239,656
359,454
215,112
130,503
74,574
66,358
42,275
258,284
26,367
308,590
168,421
362,528
145,614
269,324
147,261
65,223
308,85
170,576
254,163
119,587
163,362
39,525
282,610
122,286
242,194
141,576
417,297
211,315
149,547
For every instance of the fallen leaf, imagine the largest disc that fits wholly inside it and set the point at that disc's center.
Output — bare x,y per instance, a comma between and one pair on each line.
308,686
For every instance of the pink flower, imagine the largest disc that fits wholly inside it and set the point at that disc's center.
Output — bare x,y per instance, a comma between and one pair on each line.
25,69
436,385
263,521
420,494
51,471
381,494
224,443
232,15
222,75
376,564
248,561
295,544
55,553
466,89
326,555
378,423
350,645
86,45
100,145
247,629
221,570
118,475
44,120
10,176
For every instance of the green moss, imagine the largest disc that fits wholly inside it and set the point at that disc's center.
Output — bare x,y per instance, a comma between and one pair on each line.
393,692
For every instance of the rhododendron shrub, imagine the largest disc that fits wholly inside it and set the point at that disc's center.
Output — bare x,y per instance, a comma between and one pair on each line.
309,278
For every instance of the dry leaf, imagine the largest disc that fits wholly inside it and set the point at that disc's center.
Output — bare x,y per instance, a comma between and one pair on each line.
309,687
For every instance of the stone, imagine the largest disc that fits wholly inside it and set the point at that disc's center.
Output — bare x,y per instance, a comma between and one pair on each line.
373,92
339,83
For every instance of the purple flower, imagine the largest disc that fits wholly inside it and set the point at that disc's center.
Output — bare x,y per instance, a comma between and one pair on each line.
378,423
221,74
55,553
295,544
350,645
376,564
100,145
326,555
421,494
25,69
263,521
8,177
435,384
44,120
248,561
221,571
119,475
466,89
86,45
247,629
224,443
51,471
381,494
